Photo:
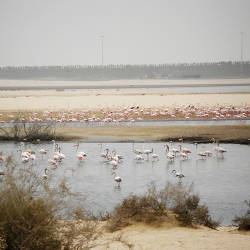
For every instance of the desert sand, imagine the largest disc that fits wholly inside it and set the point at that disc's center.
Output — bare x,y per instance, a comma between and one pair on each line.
144,237
78,100
58,98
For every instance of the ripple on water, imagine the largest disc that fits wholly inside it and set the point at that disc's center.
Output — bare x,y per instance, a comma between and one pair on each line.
222,183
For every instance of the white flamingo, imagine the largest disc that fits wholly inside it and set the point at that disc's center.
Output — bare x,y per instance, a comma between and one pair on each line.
139,157
184,150
203,155
80,155
2,172
120,157
136,150
58,155
219,150
170,155
147,152
178,174
117,179
102,154
208,153
45,175
42,151
52,162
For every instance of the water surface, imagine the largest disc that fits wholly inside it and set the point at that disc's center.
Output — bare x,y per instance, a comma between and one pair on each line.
223,183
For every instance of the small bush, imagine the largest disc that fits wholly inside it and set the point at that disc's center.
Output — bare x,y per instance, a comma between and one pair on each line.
30,132
36,215
146,208
154,205
243,222
186,206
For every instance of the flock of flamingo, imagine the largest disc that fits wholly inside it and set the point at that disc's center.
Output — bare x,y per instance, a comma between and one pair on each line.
132,114
55,156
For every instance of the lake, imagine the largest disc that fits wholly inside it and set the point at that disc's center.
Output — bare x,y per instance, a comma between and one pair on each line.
223,183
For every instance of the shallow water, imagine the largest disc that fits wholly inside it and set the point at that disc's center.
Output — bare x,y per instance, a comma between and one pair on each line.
140,123
178,89
223,183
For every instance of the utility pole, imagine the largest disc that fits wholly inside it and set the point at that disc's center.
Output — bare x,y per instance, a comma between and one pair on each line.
102,38
241,46
241,52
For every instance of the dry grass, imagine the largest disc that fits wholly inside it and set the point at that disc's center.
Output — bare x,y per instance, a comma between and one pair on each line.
154,206
234,132
23,131
35,214
243,222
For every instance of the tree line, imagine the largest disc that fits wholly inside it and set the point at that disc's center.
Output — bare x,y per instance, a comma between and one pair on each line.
230,69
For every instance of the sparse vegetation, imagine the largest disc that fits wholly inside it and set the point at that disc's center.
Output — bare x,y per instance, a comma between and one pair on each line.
29,132
232,134
37,215
155,204
243,222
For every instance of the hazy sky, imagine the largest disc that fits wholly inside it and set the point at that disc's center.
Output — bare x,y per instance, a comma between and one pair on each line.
66,32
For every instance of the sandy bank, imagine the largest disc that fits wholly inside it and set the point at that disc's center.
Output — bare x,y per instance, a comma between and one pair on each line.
233,134
175,238
39,84
75,100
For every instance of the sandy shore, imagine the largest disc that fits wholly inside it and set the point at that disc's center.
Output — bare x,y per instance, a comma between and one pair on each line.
59,99
77,100
43,84
174,238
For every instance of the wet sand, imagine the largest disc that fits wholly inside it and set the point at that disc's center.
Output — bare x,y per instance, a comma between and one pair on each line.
152,83
77,100
55,99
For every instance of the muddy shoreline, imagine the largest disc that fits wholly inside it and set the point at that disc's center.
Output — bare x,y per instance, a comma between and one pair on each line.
141,86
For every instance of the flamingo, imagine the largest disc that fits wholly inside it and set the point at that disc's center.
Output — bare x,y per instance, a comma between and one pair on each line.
104,155
32,156
24,154
208,153
155,156
114,162
177,174
202,155
169,155
184,156
45,175
148,152
80,155
174,150
184,150
43,151
58,155
52,162
139,157
1,157
219,149
136,150
117,179
120,157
